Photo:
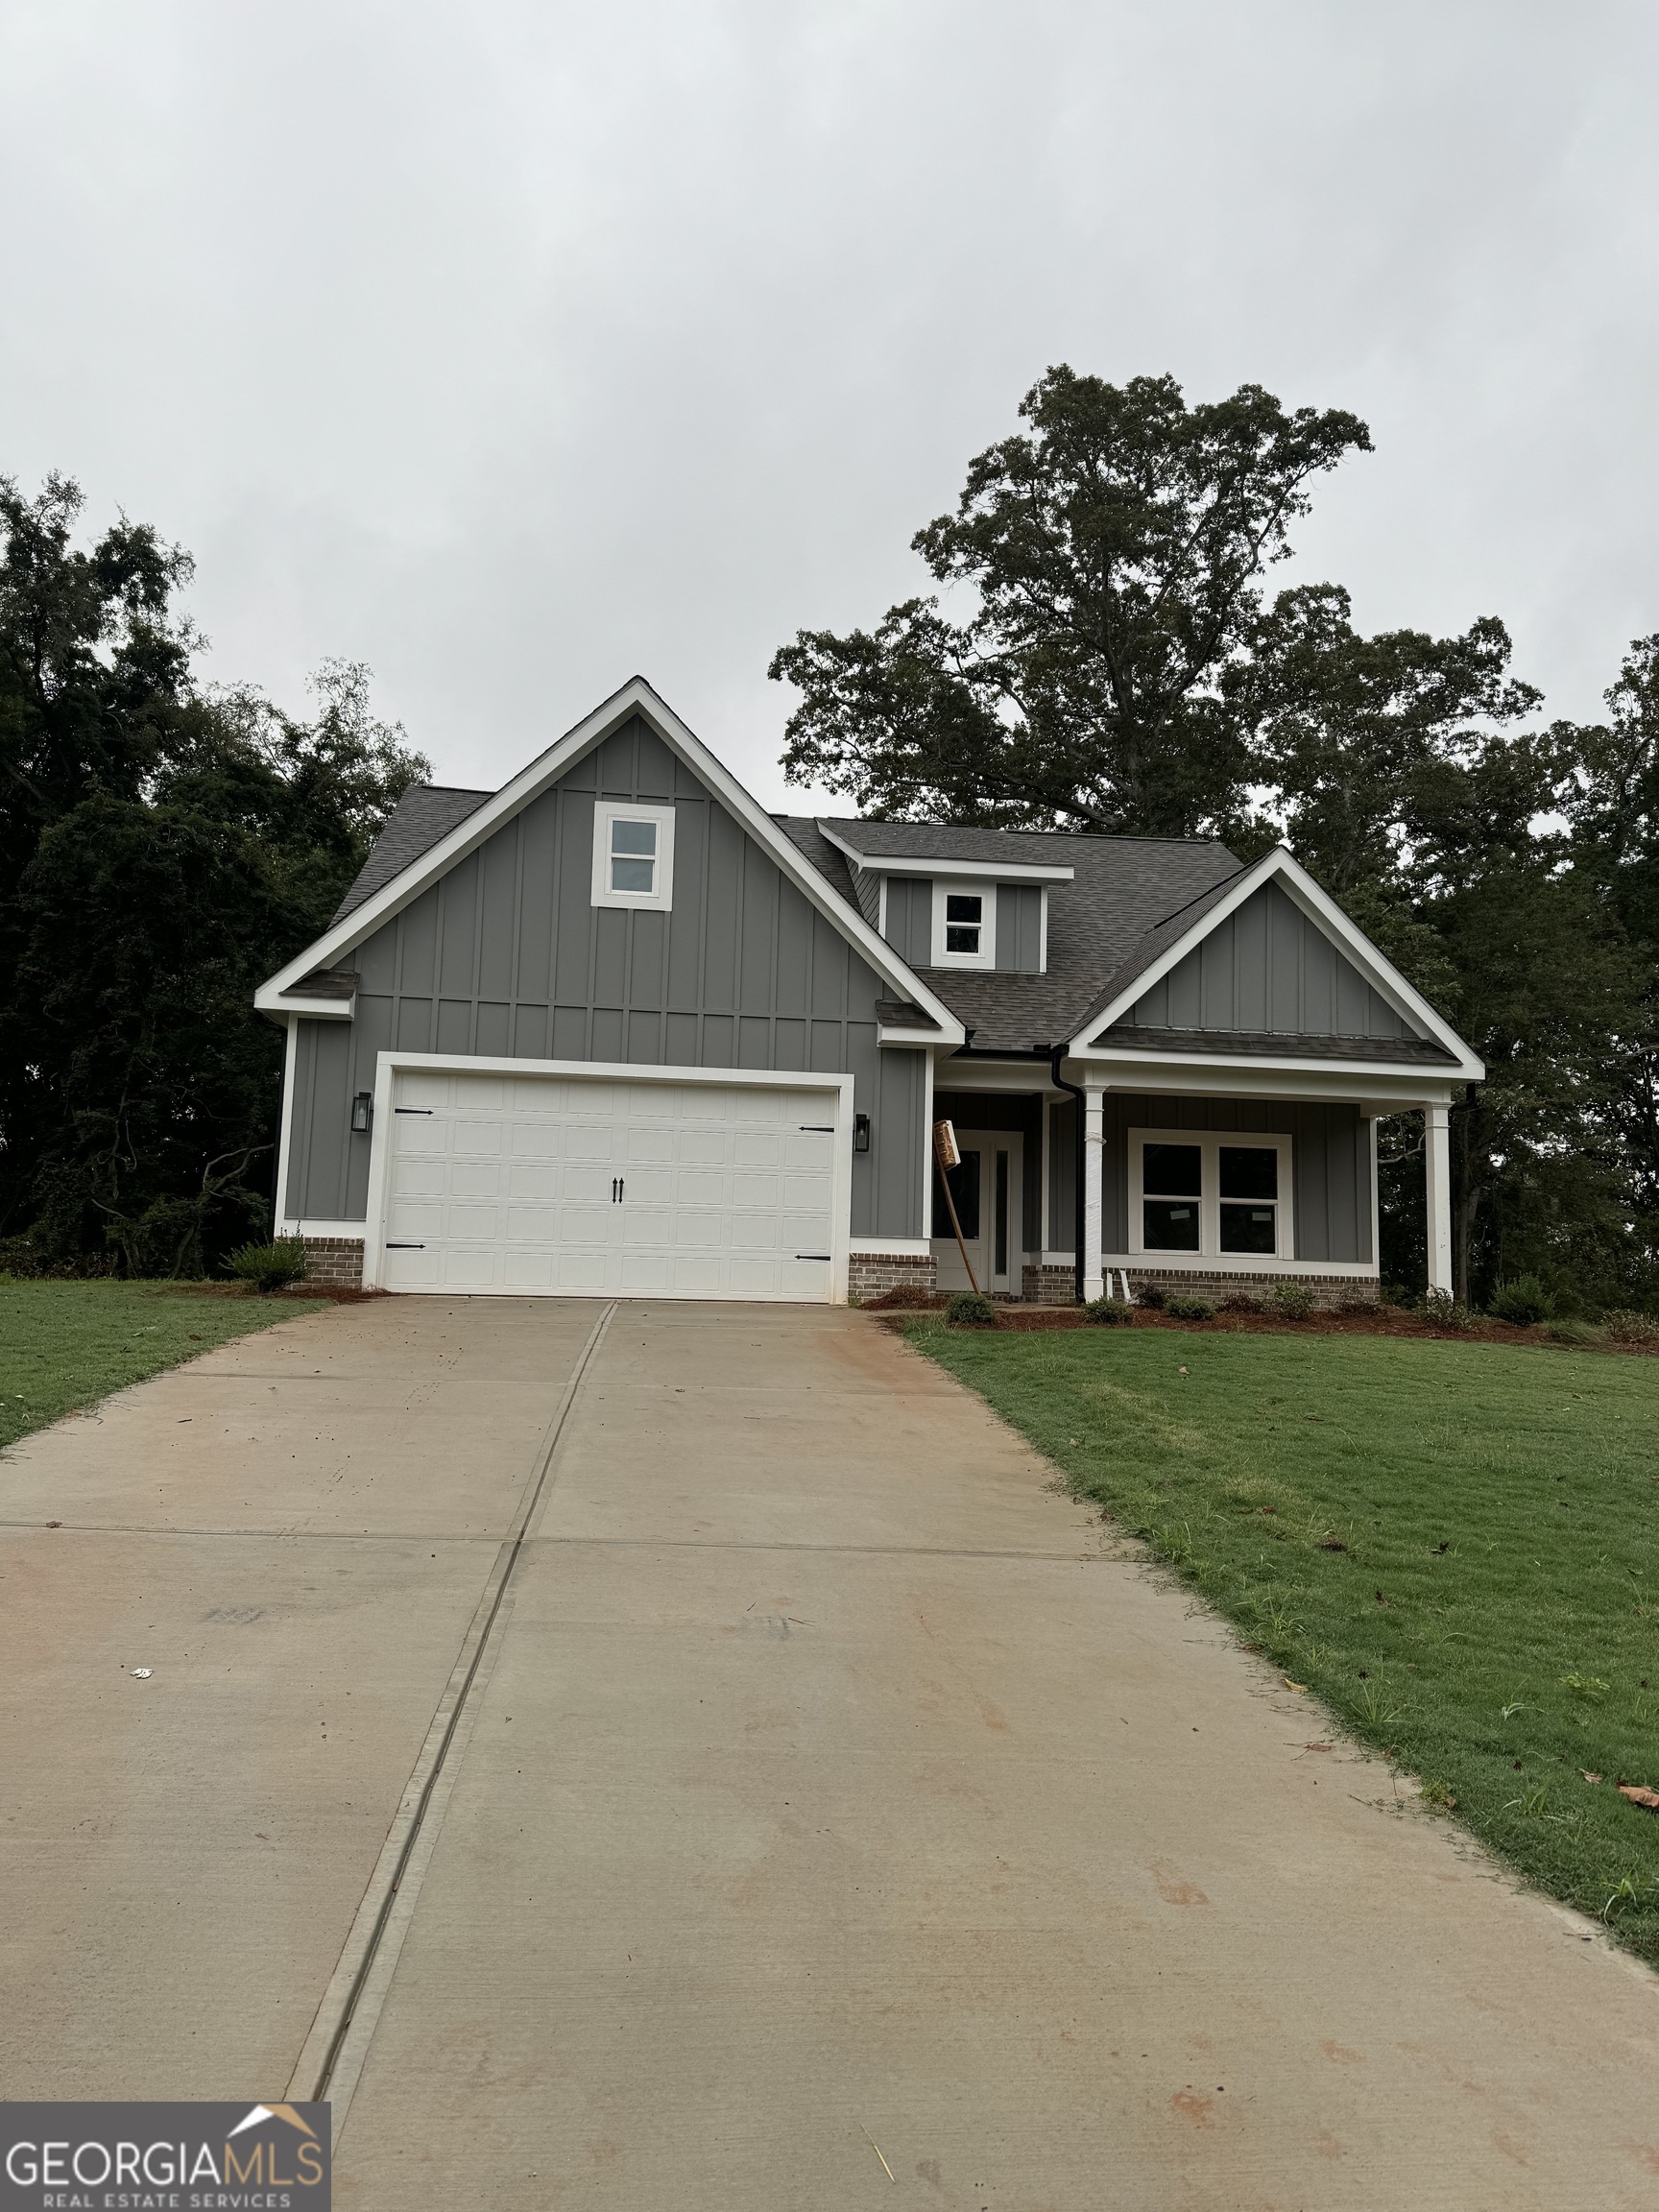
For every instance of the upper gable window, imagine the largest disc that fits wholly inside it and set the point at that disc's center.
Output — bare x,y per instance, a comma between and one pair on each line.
964,924
633,854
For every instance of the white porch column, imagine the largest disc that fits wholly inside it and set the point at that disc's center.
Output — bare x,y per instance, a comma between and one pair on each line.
1094,1135
1437,1175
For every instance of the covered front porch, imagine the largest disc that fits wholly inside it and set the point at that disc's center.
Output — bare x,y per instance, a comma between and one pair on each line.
1210,1178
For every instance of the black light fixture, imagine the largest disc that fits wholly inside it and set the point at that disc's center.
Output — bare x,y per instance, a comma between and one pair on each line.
362,1112
861,1132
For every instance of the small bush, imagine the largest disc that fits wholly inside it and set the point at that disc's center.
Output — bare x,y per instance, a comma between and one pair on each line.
1523,1300
1354,1302
268,1268
1445,1311
1154,1296
1631,1327
1291,1301
1240,1302
1183,1308
1584,1334
969,1310
1109,1312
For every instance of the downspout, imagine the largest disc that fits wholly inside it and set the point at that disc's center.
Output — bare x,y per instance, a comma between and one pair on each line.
1057,1053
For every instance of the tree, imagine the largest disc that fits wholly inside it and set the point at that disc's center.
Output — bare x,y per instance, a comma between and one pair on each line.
167,846
1113,552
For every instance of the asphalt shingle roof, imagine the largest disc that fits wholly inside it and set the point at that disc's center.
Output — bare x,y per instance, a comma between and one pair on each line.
425,814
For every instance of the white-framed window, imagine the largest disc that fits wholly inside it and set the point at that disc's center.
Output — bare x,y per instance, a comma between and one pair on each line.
633,854
1203,1192
964,924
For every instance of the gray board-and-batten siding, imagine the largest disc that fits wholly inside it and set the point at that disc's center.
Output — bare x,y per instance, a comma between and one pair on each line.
507,956
1330,1165
1018,939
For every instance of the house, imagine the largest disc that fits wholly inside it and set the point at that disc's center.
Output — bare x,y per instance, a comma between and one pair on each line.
616,1029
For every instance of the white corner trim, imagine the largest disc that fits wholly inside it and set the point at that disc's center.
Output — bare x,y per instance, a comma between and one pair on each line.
284,1135
635,697
1281,867
607,812
913,864
388,1066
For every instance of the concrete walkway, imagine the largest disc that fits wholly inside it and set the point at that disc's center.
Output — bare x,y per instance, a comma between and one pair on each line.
830,1805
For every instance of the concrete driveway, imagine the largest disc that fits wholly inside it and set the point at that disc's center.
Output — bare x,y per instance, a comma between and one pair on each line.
826,1817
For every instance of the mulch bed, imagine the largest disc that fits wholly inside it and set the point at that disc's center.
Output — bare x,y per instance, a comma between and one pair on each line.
897,1306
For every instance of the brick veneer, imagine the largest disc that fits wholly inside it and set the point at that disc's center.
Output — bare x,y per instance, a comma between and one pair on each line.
868,1274
1050,1285
337,1261
1328,1290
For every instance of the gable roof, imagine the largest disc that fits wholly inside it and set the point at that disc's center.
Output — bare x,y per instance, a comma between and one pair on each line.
359,917
1169,941
1097,911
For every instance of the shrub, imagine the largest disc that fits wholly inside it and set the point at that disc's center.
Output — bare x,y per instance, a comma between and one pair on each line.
1523,1300
1240,1302
1291,1301
1154,1296
1445,1311
968,1310
1183,1308
1631,1327
268,1268
1583,1334
1109,1312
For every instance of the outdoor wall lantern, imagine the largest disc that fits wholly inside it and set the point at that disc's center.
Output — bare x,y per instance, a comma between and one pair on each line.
362,1112
861,1132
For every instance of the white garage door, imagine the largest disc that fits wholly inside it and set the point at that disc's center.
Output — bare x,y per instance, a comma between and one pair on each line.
588,1186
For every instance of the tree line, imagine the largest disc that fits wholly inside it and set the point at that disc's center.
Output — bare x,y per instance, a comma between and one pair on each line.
164,846
1103,656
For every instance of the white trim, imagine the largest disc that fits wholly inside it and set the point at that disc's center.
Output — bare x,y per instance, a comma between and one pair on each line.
1279,866
1437,1195
890,1247
990,1075
1376,1194
880,905
927,1088
1412,1073
635,697
606,813
1210,1143
1375,1090
1047,1258
897,1034
388,1066
270,1001
965,887
912,864
353,1231
1094,1148
1042,931
1236,1264
285,1135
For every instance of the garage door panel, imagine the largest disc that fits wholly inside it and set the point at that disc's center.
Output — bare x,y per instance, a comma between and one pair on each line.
590,1186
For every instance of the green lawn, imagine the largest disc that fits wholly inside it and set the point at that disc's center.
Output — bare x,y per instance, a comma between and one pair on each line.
68,1345
1457,1547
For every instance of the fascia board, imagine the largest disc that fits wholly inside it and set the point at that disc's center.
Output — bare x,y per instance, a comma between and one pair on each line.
1280,865
900,1036
635,697
270,1000
914,864
1269,1079
1232,1063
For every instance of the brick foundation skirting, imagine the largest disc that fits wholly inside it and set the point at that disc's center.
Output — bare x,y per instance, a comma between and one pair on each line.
1050,1286
1329,1291
868,1274
337,1261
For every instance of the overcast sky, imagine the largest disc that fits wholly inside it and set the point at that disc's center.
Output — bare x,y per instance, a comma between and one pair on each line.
513,348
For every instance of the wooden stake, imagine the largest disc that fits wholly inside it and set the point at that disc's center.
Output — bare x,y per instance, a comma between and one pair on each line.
947,1154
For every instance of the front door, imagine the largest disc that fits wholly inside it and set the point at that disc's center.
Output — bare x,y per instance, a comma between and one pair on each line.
986,1189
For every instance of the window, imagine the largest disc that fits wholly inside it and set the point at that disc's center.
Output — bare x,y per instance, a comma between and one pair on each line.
1216,1195
633,854
964,924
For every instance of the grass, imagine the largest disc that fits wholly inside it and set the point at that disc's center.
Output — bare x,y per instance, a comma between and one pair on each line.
65,1345
1454,1546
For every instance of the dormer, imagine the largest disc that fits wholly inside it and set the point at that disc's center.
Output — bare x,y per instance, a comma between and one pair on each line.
979,911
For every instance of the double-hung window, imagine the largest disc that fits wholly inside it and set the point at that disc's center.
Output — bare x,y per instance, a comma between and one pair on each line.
1212,1195
964,924
633,854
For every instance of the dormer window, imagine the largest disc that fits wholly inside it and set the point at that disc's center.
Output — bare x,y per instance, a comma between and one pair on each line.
964,924
633,854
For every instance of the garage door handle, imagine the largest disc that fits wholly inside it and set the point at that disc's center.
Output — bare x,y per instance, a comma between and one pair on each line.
617,1186
818,1129
811,1255
426,1110
405,1247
